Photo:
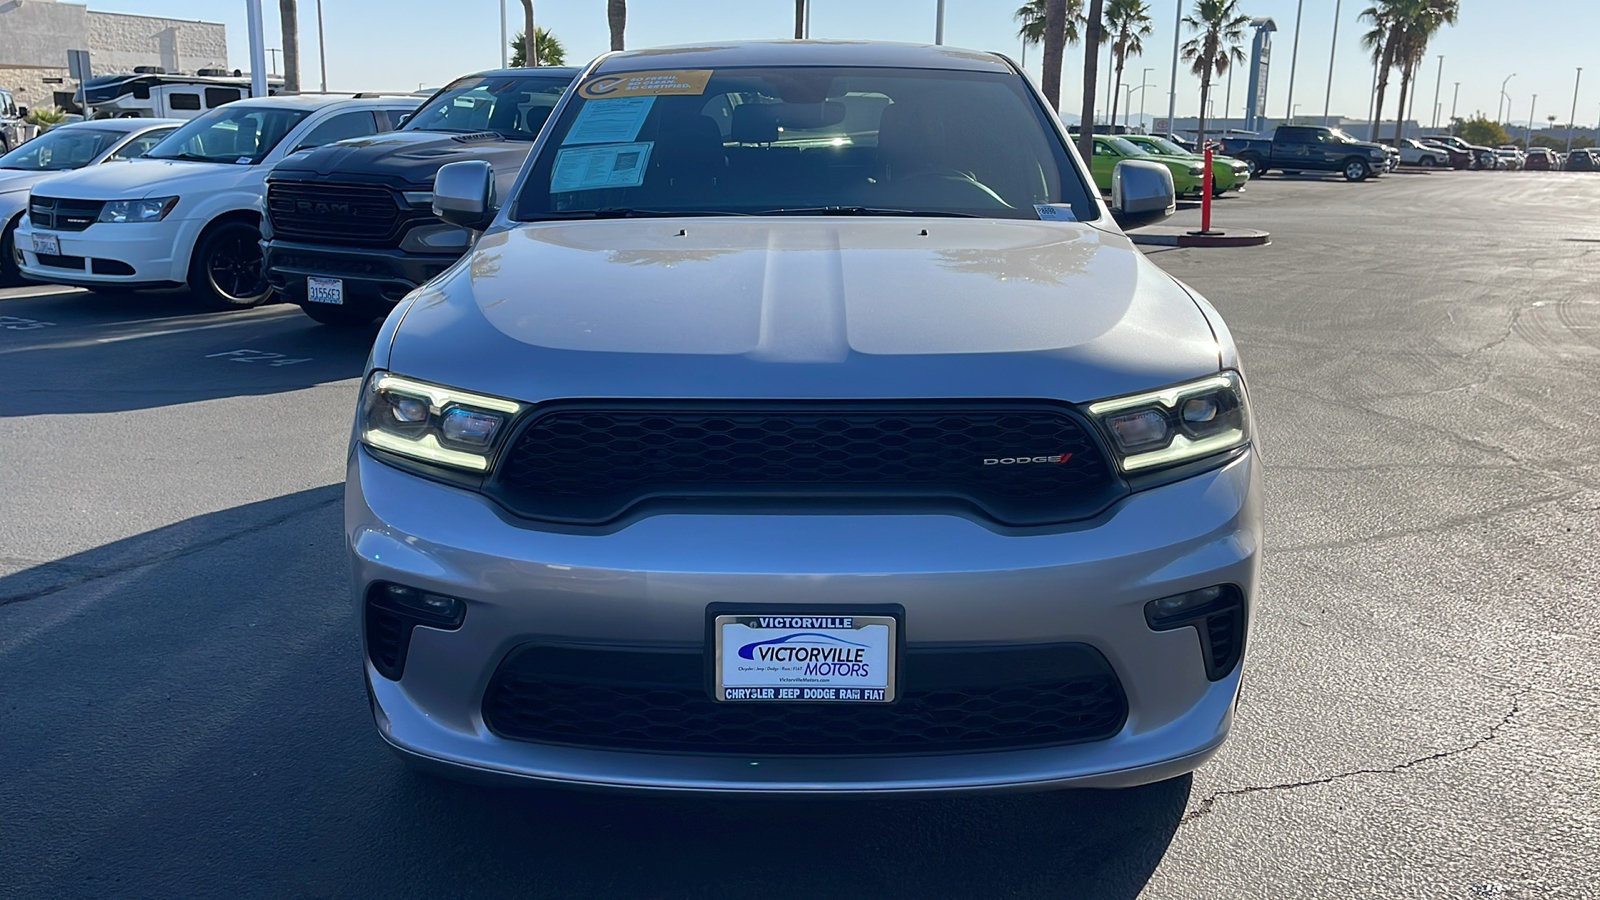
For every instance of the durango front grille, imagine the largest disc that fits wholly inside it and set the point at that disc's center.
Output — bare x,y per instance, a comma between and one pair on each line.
63,215
1016,462
953,700
356,214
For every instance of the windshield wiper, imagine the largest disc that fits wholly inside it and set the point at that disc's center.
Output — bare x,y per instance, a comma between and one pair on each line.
861,211
194,157
622,212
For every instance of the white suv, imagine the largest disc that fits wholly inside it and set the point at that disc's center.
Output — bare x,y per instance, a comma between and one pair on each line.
189,212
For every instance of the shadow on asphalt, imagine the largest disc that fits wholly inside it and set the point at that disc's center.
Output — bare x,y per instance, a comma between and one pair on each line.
185,717
85,353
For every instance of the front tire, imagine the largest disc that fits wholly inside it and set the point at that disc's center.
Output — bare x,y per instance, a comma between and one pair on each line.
10,270
1427,162
227,271
1254,165
1356,170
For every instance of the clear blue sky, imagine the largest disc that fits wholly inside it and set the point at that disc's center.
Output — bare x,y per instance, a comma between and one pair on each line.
399,44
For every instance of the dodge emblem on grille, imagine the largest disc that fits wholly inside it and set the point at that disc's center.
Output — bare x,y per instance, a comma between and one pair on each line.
1019,460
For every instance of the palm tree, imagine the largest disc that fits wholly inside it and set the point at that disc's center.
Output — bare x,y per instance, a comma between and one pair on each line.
548,49
1382,39
617,19
799,19
1055,45
1031,15
1419,20
1219,29
289,18
1093,37
1128,22
528,28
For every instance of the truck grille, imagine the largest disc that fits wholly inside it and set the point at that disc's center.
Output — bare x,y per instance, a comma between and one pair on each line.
952,700
63,215
357,214
1018,463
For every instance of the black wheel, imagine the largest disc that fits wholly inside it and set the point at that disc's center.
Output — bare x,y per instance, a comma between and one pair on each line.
349,316
1218,192
1427,162
10,259
226,271
1255,166
1356,170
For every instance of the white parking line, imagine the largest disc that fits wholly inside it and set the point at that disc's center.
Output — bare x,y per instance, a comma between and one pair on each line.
146,334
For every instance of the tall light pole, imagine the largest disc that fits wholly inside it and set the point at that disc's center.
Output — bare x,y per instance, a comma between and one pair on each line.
322,47
1503,98
1294,55
504,41
258,49
938,27
1172,95
1333,46
1527,138
1572,120
1438,80
1143,76
1453,100
274,51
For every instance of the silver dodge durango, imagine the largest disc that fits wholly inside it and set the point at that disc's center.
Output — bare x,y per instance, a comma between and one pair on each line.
801,422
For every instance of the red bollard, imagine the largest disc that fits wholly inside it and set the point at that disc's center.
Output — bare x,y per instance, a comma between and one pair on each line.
1205,194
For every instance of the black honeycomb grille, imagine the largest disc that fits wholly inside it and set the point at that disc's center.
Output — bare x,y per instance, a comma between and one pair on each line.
356,214
1058,695
591,464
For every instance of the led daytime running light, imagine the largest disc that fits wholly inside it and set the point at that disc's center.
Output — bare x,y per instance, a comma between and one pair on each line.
439,397
1168,397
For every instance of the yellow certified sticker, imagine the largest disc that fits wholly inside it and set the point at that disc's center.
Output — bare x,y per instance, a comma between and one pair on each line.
642,84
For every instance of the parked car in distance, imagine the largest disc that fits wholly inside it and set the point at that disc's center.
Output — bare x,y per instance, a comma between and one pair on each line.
1109,150
1510,158
1580,161
1539,159
1415,153
189,212
1456,157
1482,157
350,228
850,450
1227,173
62,149
1300,148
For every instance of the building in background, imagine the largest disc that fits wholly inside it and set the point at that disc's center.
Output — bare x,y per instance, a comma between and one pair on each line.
35,36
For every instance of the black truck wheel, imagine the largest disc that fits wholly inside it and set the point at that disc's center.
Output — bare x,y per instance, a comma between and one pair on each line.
1356,169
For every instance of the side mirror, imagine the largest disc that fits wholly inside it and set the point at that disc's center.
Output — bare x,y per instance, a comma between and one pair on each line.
463,194
1141,193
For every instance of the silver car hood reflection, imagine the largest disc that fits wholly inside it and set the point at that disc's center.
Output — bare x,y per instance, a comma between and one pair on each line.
777,307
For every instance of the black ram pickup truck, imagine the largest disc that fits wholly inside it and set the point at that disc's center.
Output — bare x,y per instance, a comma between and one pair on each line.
350,228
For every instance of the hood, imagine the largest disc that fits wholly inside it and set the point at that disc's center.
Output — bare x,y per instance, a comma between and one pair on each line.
404,158
139,178
791,308
23,179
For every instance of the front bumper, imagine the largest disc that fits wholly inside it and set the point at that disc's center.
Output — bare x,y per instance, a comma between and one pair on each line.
154,254
959,582
369,273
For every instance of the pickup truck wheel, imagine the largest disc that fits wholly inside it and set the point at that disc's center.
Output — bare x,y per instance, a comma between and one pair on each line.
1356,170
1255,166
1427,162
227,270
352,316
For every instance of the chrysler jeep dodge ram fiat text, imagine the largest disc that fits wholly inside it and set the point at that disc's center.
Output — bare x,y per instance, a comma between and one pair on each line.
804,422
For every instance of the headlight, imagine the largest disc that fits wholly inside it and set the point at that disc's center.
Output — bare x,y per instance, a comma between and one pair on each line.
1196,170
1177,424
433,424
153,209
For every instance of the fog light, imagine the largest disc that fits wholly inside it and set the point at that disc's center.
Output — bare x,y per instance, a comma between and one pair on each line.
1182,606
430,609
1218,616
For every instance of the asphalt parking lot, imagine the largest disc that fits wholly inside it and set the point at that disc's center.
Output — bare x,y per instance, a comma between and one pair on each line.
183,715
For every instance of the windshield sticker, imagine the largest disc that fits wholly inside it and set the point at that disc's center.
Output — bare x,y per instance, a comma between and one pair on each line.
1055,212
608,166
646,84
242,161
615,120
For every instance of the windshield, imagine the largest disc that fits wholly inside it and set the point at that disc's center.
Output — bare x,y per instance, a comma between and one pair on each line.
237,134
514,107
817,140
62,148
1125,147
1340,136
1167,146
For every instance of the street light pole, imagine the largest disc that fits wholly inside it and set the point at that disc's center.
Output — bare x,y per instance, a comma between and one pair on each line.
1437,81
1527,138
322,47
1333,46
1294,55
1172,95
504,62
258,49
938,28
1503,98
1572,120
1143,80
1453,100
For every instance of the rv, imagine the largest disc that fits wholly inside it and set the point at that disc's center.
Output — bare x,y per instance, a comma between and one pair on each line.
153,93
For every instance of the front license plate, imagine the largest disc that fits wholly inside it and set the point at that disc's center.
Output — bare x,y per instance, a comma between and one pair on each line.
47,244
805,658
325,290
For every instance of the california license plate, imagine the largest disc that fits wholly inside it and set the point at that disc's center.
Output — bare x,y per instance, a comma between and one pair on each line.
805,658
48,244
325,290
